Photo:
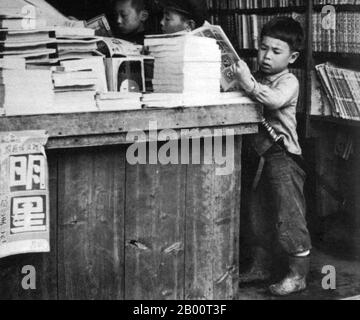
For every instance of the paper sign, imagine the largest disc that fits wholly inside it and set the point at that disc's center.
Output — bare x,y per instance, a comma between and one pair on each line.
24,193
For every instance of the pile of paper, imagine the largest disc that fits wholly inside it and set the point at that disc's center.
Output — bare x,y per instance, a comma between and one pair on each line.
173,100
76,43
74,90
116,101
185,64
23,33
25,92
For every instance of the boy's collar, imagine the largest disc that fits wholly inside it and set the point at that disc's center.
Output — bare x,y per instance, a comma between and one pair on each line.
273,77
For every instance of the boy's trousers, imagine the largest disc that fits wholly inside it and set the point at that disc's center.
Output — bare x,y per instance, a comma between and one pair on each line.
277,205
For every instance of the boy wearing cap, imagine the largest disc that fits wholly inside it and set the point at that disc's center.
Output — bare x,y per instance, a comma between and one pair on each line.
183,15
130,17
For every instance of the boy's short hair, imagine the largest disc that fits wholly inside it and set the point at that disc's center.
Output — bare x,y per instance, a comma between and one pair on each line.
138,5
285,29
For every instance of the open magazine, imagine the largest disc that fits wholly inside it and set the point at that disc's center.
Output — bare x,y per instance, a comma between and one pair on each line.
113,47
229,55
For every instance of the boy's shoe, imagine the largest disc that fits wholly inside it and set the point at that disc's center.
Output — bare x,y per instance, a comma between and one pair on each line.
259,270
295,281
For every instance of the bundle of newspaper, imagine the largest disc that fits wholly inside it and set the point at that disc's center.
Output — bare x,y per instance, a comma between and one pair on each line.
185,64
118,101
75,87
24,91
76,43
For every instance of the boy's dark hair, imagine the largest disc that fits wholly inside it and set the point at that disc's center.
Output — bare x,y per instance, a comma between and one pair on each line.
285,29
138,5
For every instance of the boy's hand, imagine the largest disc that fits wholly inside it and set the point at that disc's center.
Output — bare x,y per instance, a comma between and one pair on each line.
243,75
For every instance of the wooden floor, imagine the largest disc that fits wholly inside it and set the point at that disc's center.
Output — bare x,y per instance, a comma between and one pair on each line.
348,281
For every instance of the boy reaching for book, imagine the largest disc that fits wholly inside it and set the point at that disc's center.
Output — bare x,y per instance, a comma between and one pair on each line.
183,15
277,204
129,18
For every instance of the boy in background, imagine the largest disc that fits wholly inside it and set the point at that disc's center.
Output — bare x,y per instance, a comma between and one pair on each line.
129,18
183,15
277,204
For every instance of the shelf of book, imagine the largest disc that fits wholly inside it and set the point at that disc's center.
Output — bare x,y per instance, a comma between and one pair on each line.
336,55
260,11
338,121
338,7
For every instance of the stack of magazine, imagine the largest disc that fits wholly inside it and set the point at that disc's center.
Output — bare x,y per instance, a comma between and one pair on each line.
185,63
341,88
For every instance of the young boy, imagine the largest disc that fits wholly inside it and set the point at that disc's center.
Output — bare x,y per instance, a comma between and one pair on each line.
278,195
183,15
130,18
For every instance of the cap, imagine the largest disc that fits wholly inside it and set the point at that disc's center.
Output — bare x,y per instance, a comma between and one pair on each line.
195,9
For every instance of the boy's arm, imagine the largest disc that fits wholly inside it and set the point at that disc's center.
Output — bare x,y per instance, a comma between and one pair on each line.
272,98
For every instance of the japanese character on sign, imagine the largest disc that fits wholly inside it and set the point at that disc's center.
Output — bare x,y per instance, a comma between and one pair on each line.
28,214
28,172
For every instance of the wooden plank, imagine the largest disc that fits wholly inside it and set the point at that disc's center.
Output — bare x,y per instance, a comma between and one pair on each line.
91,224
155,212
212,231
44,263
226,208
115,139
64,125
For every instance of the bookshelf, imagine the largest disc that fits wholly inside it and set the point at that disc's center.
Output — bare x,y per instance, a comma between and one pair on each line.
336,140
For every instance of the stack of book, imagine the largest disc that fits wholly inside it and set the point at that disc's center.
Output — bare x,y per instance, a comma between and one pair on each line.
76,43
19,95
74,91
337,33
23,33
341,88
253,4
185,64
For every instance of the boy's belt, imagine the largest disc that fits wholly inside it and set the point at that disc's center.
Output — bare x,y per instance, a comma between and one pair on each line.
299,160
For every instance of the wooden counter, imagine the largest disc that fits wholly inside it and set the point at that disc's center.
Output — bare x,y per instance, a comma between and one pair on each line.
121,231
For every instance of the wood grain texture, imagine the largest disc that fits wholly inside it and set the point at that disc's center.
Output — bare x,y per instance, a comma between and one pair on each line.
212,231
121,138
155,213
91,224
82,124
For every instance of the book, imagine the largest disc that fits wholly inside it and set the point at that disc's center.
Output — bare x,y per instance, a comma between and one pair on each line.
116,101
19,95
173,100
12,63
101,26
66,80
126,74
25,35
74,32
113,47
95,64
75,101
22,23
229,55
